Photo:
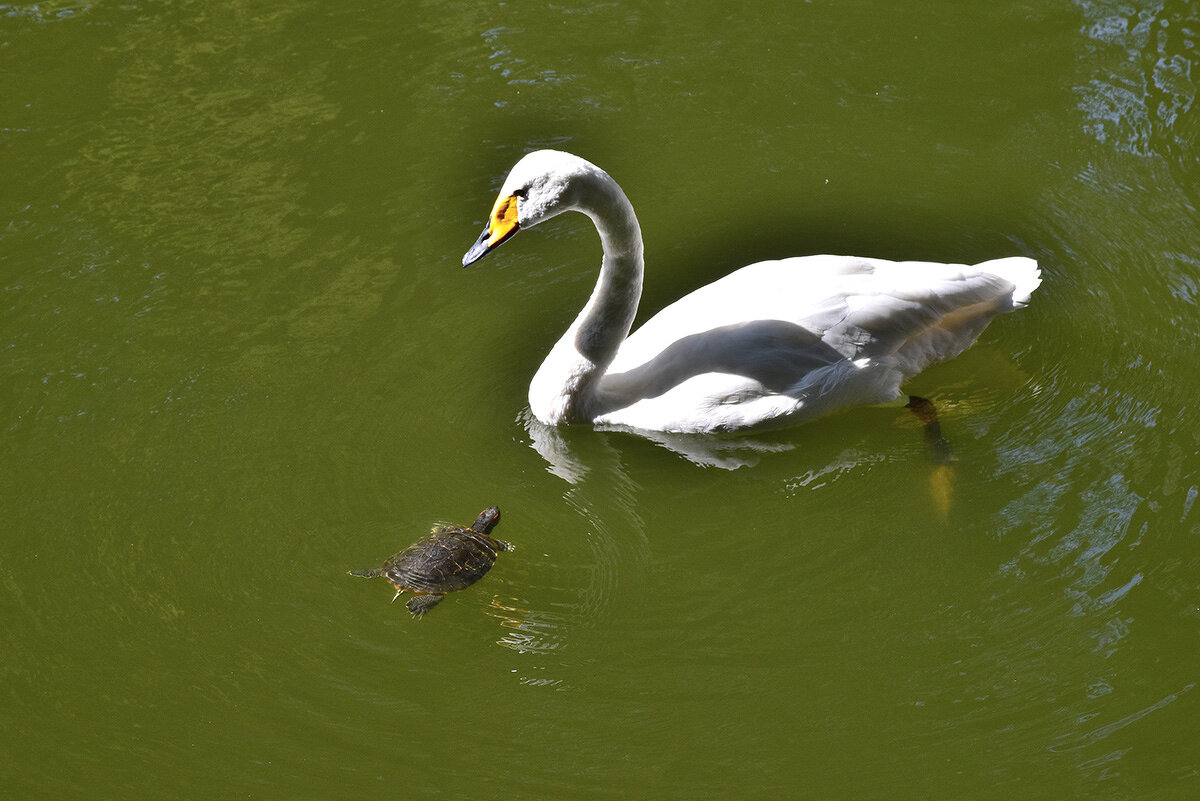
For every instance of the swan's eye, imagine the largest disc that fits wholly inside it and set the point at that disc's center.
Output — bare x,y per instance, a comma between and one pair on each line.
521,193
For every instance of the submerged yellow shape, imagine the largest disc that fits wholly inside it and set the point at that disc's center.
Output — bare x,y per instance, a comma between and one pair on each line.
941,487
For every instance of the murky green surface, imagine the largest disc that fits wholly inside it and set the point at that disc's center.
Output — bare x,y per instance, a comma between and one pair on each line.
238,357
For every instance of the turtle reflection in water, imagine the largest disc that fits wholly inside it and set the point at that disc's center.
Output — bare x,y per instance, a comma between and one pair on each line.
447,559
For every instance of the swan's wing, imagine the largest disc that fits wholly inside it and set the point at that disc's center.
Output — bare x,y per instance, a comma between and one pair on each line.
859,307
918,313
780,341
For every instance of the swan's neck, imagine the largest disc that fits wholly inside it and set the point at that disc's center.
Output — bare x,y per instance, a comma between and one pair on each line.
566,386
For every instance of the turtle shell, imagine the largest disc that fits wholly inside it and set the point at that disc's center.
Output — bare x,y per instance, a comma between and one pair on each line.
448,559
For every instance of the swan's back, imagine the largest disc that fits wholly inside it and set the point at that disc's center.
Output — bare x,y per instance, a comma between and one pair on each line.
860,307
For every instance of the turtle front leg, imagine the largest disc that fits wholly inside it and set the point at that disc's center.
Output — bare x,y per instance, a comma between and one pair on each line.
501,545
420,604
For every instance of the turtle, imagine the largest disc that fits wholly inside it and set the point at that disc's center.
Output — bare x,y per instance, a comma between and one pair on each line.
449,558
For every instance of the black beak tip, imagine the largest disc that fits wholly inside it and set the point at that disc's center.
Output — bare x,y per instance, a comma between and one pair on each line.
478,250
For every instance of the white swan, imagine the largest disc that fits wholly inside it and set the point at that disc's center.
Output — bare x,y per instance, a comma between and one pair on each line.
774,343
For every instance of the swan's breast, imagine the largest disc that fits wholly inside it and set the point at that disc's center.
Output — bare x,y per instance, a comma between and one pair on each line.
707,402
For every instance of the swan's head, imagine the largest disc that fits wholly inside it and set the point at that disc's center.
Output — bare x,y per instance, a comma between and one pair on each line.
541,185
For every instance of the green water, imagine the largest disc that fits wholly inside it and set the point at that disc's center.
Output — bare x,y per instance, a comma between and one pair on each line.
238,357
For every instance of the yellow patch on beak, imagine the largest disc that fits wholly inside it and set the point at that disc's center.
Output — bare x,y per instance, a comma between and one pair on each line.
501,225
503,222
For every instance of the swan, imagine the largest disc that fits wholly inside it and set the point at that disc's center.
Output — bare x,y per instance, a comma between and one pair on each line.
771,344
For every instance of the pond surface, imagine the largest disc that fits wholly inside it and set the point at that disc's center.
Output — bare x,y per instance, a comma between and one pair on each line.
238,357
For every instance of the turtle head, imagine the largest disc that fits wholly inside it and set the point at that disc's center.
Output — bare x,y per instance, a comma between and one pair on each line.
487,520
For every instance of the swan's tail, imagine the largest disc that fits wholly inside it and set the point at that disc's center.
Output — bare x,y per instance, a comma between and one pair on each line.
1021,272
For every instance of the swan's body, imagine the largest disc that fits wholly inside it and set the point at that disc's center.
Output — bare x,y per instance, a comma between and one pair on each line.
771,344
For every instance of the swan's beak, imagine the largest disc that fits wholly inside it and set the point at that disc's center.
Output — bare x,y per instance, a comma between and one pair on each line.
502,224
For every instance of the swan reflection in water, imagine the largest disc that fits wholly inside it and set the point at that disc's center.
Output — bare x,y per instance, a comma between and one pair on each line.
727,452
